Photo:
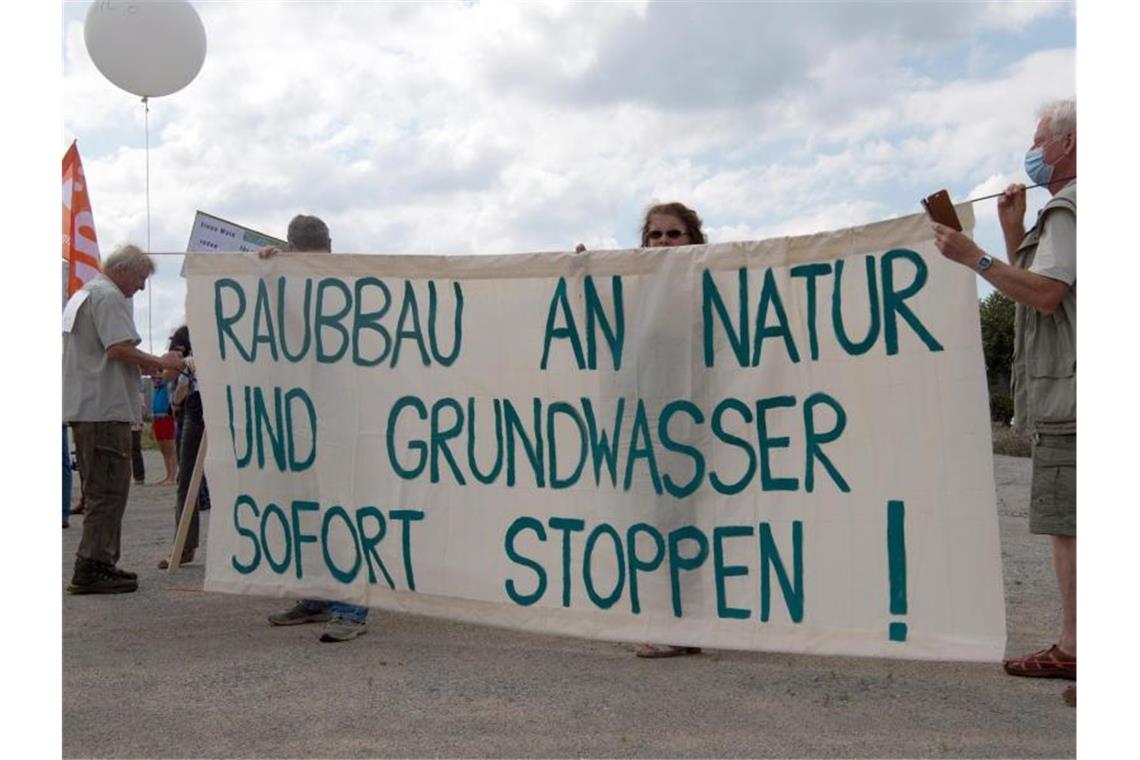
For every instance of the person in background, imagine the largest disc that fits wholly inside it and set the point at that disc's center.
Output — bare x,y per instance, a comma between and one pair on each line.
1041,278
192,429
666,225
162,425
66,479
138,467
100,401
343,622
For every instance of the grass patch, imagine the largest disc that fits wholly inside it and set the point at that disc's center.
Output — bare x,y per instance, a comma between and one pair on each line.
1009,442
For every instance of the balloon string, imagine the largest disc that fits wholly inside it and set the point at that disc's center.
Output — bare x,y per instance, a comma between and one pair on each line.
150,290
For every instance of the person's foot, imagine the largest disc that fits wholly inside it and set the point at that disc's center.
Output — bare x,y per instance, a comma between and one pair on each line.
1069,695
186,559
78,509
118,572
91,577
654,651
343,629
1048,663
167,482
298,614
140,481
66,524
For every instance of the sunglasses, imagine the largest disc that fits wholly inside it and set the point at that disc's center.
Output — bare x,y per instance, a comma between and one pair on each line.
671,234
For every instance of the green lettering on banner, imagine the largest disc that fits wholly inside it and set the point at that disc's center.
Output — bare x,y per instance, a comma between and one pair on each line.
333,321
636,564
710,302
813,439
567,525
262,314
225,322
893,300
417,446
722,571
596,315
344,576
603,602
247,568
677,562
445,360
675,490
863,346
565,409
370,320
472,463
300,538
406,517
560,305
368,543
519,525
793,589
281,321
810,272
439,439
767,482
409,311
770,300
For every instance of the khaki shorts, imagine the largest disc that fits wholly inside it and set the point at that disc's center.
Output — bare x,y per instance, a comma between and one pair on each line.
1053,494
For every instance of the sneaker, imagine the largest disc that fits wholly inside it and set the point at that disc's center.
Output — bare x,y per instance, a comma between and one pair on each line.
298,614
92,577
343,629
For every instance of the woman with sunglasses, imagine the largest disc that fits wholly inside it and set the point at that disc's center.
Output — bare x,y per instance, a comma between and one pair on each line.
669,224
666,225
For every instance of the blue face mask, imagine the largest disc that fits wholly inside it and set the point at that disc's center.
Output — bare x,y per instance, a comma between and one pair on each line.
1039,171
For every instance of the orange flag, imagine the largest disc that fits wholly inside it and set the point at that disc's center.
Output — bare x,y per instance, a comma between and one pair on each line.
80,248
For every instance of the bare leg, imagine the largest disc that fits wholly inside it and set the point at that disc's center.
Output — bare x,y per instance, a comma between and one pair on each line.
1065,566
167,449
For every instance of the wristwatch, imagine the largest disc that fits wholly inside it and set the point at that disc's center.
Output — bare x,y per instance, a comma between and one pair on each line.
984,262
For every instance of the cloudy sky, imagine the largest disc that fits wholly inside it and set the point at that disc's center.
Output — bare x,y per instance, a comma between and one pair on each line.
489,127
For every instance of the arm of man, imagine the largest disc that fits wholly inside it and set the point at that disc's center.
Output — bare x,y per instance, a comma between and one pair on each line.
126,352
1041,292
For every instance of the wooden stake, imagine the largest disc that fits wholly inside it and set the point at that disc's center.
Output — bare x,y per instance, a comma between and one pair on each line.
189,507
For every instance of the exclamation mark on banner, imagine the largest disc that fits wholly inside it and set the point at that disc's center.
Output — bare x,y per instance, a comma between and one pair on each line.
896,566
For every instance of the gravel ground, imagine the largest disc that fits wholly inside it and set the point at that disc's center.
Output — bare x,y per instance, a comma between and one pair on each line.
171,671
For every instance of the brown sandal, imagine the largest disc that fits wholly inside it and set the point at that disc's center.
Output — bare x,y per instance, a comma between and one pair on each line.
1048,663
654,651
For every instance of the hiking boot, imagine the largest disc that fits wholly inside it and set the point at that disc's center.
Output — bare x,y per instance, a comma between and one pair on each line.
91,577
298,614
343,629
119,572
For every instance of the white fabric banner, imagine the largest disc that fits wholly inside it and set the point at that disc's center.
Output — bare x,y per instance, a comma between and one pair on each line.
776,445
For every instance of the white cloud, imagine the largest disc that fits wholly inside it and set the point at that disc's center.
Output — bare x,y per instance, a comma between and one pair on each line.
501,127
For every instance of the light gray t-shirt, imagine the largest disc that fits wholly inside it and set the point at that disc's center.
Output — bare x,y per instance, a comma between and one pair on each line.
1056,256
95,388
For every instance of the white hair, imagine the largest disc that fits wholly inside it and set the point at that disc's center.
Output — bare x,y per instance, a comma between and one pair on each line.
1061,115
129,258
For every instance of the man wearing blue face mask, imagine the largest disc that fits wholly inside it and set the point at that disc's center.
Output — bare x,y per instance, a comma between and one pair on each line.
1041,277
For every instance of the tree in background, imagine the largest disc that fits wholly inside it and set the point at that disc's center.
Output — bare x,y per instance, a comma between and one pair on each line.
996,314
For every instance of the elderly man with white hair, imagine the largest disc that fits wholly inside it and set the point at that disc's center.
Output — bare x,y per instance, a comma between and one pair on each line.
1041,277
100,401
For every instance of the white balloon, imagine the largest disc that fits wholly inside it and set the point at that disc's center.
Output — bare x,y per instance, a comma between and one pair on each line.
146,48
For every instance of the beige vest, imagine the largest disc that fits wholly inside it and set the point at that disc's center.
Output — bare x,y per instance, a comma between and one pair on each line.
1044,376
